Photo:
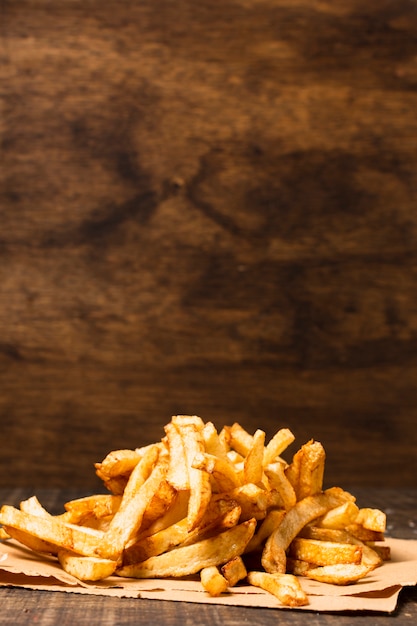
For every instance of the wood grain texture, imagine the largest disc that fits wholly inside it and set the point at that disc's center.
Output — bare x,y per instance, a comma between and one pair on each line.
208,209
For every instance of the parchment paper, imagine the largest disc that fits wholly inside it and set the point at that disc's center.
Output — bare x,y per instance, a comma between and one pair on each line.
379,591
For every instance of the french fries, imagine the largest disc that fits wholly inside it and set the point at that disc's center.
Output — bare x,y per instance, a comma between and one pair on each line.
221,505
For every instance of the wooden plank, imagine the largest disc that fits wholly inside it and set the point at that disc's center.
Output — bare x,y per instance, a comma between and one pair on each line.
208,209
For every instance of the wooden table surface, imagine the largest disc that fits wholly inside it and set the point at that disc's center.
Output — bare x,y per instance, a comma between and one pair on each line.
20,606
208,208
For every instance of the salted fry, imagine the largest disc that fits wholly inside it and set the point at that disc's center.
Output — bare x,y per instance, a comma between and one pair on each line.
339,574
234,571
87,568
213,582
279,481
277,445
81,540
253,464
372,519
324,552
285,587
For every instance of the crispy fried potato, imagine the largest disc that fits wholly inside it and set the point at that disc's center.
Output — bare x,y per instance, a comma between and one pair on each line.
277,445
311,507
187,560
81,540
306,470
126,522
234,571
199,501
285,587
87,568
30,541
279,481
339,574
213,582
372,519
324,552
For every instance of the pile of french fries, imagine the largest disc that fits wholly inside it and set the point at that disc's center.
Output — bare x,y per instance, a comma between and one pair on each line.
224,506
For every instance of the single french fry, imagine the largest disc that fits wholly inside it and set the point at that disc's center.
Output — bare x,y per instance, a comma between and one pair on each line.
117,463
285,587
277,445
199,480
81,540
213,443
339,574
253,464
279,481
31,541
372,519
178,470
234,571
213,582
86,568
324,552
340,517
239,439
306,470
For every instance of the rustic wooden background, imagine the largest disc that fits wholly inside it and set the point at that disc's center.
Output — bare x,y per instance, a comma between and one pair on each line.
208,208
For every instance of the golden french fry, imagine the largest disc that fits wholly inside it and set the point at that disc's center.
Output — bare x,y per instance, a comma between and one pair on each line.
177,474
159,504
97,506
117,463
213,582
183,561
370,557
276,446
306,470
213,443
199,480
239,439
364,534
372,519
81,540
324,552
253,464
279,481
339,574
340,517
234,570
30,541
87,568
285,587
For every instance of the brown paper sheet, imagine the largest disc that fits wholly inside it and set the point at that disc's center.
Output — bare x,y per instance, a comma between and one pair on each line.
379,591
